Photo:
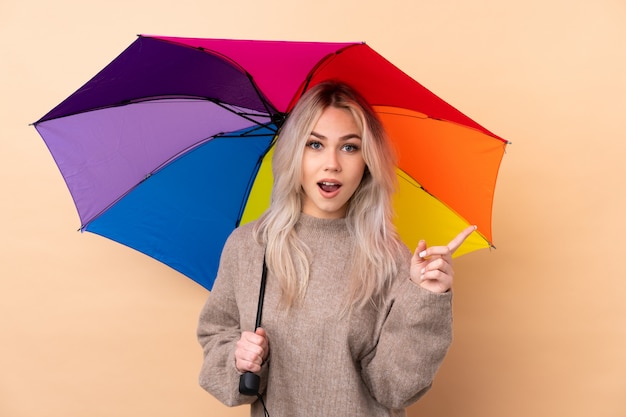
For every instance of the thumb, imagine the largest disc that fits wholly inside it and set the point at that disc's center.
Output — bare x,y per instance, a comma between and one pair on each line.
260,332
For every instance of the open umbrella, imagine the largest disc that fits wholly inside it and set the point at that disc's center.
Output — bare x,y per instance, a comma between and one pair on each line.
167,149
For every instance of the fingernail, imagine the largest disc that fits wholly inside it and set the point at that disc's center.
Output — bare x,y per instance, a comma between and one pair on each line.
422,254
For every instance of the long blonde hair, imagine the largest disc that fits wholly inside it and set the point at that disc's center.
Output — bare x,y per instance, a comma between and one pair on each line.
369,214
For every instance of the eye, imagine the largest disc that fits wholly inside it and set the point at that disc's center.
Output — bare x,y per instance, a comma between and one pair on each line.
314,144
350,147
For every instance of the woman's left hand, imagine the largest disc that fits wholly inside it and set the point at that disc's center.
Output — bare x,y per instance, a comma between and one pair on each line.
432,267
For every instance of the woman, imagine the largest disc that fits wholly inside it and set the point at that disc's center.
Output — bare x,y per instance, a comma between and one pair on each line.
353,325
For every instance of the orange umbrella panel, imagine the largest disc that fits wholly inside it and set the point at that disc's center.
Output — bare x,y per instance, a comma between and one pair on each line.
457,165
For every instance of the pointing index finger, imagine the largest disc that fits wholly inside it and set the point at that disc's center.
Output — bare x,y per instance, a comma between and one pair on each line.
460,238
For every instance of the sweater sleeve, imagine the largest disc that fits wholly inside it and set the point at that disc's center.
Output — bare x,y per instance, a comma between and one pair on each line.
218,332
414,339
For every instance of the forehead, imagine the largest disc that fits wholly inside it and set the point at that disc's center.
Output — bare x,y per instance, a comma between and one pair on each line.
337,121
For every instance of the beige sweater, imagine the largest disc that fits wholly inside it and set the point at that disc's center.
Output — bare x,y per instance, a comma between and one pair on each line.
372,363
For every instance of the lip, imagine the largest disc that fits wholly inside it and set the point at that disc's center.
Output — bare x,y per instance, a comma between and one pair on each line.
329,194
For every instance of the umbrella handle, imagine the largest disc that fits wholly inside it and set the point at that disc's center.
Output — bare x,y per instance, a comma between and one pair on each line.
249,382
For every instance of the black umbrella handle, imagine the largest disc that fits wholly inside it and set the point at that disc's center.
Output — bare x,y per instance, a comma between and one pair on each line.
249,382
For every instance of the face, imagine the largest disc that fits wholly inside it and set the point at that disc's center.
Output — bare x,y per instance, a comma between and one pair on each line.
332,164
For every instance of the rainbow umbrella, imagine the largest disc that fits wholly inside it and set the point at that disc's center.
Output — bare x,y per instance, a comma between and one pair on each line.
167,149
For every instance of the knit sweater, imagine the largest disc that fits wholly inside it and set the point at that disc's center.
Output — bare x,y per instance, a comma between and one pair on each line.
372,362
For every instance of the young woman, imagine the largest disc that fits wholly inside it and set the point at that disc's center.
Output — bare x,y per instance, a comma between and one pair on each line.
353,325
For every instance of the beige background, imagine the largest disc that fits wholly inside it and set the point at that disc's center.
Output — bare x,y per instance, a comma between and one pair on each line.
91,328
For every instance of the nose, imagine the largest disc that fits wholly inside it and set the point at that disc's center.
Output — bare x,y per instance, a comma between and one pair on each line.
332,161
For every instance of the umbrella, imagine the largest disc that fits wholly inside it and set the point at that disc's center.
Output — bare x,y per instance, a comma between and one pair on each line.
167,149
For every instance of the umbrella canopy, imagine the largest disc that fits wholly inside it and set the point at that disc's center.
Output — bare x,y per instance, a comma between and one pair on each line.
167,149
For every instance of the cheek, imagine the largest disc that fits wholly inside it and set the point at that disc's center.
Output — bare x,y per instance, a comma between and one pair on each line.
307,160
305,168
311,164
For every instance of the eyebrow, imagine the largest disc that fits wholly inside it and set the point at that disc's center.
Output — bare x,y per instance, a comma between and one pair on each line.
343,138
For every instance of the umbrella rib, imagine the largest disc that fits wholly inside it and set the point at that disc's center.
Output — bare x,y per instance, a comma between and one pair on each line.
248,116
269,108
121,103
410,181
244,201
146,177
417,115
320,63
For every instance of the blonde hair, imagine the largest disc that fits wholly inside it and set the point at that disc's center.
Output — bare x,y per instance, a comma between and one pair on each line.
369,214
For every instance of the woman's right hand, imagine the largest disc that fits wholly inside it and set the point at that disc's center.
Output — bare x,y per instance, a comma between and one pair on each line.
252,350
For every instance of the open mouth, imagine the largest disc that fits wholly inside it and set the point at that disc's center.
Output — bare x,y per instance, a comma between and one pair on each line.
328,187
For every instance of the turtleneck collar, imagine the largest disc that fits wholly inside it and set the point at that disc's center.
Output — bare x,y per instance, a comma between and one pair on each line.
322,226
